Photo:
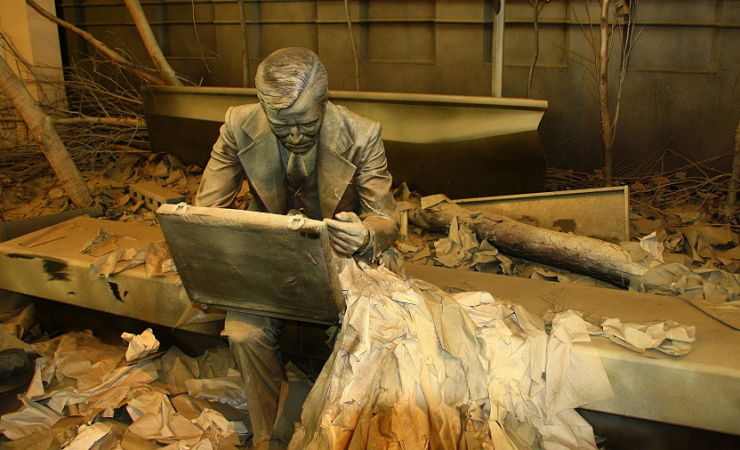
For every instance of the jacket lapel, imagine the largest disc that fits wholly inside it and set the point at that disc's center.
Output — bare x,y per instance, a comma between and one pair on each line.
261,162
335,172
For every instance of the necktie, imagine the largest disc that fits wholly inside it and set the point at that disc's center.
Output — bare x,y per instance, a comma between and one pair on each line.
296,171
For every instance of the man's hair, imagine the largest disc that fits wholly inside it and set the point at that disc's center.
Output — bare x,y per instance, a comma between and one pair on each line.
285,73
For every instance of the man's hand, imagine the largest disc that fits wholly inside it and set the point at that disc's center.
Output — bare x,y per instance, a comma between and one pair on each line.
347,233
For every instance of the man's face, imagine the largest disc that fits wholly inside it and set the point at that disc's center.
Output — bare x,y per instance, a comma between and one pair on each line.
298,126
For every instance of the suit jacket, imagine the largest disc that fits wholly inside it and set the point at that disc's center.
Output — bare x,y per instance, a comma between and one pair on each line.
350,163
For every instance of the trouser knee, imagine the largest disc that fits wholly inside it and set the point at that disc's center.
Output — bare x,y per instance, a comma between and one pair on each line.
254,337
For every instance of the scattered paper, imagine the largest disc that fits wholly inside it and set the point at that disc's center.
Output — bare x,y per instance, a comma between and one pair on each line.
31,418
158,260
89,435
652,245
105,243
21,322
78,376
225,390
666,336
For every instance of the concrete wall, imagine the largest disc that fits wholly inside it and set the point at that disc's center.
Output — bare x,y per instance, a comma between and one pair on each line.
681,93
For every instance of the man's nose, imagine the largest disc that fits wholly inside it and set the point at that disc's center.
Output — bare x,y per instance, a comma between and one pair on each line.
295,135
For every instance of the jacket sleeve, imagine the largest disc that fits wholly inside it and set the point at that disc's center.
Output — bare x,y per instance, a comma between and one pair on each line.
377,208
223,176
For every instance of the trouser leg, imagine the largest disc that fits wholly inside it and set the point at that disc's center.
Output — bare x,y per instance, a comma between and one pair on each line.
254,344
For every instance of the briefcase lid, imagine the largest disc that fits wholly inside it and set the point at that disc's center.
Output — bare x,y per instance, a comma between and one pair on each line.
266,264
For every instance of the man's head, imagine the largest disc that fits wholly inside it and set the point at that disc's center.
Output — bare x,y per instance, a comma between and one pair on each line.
292,88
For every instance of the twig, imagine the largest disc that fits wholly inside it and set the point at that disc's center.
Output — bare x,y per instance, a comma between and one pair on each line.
98,45
150,43
352,43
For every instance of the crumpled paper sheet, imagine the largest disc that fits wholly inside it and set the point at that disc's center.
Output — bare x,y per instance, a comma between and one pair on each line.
117,261
32,418
666,336
414,367
90,436
140,345
155,418
653,246
177,368
9,341
58,436
459,248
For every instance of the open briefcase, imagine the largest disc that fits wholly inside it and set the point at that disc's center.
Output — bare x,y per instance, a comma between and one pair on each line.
266,264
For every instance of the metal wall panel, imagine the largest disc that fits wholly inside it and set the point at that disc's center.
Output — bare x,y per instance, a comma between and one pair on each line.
679,95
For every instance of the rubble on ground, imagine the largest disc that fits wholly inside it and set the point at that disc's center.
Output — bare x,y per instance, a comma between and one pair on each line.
85,394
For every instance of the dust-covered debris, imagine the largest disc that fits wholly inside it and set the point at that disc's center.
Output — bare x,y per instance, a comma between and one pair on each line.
85,393
681,255
415,367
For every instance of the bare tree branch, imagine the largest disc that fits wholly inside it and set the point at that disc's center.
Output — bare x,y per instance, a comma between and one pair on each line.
42,130
98,45
150,43
114,121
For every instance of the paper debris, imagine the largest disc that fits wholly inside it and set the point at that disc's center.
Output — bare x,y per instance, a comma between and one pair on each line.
155,418
32,418
78,376
105,243
210,418
177,368
89,435
433,200
140,345
119,253
652,245
117,261
415,367
10,341
158,260
225,390
22,320
666,336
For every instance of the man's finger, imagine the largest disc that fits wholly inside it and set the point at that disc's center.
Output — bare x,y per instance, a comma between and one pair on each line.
335,224
347,216
342,248
347,243
339,230
345,227
345,240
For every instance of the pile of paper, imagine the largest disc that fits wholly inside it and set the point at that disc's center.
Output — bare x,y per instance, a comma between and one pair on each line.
682,257
415,367
86,394
42,195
